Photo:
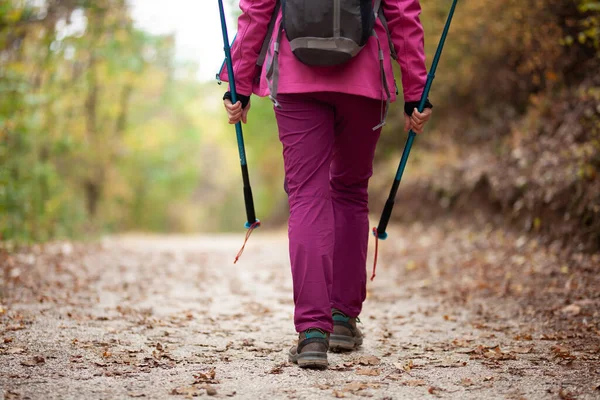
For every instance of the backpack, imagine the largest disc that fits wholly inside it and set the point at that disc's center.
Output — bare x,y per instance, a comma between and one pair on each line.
325,33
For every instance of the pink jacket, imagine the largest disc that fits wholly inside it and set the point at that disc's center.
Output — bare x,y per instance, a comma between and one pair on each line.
360,76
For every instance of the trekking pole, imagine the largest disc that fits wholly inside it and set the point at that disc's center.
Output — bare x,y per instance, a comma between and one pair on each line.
251,222
379,232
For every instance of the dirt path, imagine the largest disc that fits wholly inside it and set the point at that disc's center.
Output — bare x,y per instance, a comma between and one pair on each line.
170,317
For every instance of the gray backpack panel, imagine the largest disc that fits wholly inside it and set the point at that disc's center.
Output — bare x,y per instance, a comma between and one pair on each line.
327,32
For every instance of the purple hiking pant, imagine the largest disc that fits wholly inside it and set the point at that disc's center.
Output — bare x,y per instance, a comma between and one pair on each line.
328,150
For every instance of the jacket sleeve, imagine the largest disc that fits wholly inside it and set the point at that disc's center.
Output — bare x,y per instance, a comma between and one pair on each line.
407,37
252,28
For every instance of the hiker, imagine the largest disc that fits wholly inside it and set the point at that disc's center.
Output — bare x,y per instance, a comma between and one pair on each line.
329,74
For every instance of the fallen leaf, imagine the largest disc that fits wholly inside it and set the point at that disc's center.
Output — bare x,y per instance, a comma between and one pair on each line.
340,367
16,350
368,371
33,362
563,353
8,340
278,368
15,327
355,386
206,377
414,382
11,395
136,394
488,378
571,310
338,394
2,309
369,360
526,336
565,395
399,366
522,350
466,382
434,390
464,350
496,353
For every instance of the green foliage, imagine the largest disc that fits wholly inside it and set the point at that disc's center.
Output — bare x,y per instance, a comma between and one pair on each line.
74,154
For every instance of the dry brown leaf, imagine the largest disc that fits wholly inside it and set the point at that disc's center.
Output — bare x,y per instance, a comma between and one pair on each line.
550,336
15,327
488,378
340,367
368,371
394,376
434,390
461,342
33,362
8,340
522,350
369,360
16,350
12,395
414,382
571,310
338,394
206,377
355,386
565,394
278,368
466,382
563,353
525,336
399,366
496,353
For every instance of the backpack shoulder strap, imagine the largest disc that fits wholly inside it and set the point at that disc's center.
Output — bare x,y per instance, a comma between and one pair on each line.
379,14
265,46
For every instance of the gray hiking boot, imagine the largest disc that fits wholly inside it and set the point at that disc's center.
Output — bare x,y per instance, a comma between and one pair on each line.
311,351
346,335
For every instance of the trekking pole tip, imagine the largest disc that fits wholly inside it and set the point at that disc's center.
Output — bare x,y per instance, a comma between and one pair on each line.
379,235
256,224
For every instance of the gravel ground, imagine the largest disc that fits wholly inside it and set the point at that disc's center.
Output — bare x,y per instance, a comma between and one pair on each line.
169,317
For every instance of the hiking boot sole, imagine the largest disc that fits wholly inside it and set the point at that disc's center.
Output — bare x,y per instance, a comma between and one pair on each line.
310,359
343,342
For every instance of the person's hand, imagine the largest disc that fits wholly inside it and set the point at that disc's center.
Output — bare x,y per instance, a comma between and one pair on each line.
235,111
417,121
